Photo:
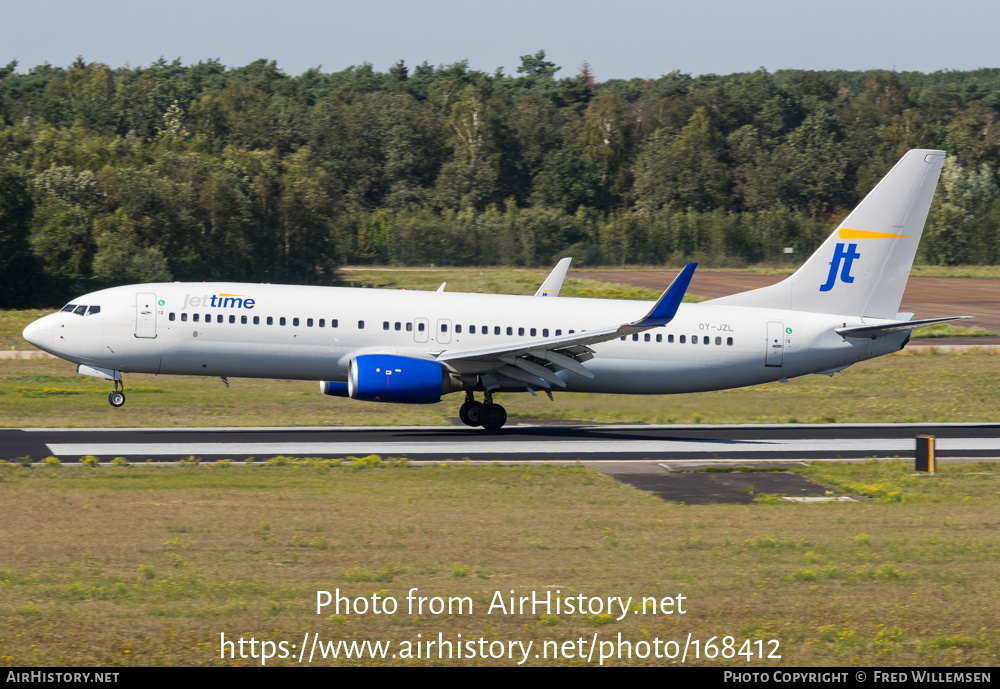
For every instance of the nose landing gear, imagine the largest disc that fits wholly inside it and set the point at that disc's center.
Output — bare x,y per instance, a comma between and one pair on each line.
117,398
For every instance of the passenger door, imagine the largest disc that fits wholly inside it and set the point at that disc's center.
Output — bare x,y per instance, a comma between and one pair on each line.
145,315
775,343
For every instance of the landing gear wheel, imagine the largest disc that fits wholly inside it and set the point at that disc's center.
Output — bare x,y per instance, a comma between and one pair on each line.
471,413
116,399
493,417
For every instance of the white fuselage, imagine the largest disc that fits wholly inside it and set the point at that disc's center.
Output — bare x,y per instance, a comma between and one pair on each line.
236,330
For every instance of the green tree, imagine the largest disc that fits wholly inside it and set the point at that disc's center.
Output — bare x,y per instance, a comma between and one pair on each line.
962,224
470,179
569,180
18,276
686,170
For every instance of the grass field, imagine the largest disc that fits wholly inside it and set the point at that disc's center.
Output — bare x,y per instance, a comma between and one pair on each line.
137,565
950,330
898,388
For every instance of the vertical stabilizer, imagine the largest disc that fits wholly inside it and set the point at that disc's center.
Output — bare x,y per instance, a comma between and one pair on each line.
861,269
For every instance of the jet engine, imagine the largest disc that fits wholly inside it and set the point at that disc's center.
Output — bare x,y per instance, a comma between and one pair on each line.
391,378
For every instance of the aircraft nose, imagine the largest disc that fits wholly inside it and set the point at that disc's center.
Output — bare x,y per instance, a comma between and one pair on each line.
39,334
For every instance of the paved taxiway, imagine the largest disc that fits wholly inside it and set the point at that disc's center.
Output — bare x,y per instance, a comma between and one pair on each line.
606,443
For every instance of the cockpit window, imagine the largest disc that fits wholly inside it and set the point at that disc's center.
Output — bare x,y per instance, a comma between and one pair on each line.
69,307
93,309
80,310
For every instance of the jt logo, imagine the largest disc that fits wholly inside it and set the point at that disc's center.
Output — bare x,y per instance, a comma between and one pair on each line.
845,256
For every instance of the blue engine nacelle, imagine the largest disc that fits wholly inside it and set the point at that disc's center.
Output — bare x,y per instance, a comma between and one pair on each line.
390,378
334,389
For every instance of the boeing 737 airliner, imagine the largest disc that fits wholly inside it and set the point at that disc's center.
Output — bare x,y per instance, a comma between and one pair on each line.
413,347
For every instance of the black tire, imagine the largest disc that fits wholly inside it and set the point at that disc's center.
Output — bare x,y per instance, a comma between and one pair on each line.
471,413
116,399
493,417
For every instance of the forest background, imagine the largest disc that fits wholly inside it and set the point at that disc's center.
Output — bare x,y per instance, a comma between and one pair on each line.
202,172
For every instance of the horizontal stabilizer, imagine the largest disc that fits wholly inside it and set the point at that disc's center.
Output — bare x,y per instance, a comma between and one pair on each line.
889,328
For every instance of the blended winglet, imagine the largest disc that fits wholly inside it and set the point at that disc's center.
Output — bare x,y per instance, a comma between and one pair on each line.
553,283
666,306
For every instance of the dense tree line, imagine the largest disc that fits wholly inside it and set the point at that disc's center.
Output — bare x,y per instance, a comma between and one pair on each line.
205,172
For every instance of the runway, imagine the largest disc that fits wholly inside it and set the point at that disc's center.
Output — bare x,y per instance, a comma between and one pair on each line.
589,443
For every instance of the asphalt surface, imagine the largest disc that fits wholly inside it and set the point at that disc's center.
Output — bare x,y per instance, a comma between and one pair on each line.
518,443
736,487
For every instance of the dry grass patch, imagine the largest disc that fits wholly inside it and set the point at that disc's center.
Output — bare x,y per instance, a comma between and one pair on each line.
146,565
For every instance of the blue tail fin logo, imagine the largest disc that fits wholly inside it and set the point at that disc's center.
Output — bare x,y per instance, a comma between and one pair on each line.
845,257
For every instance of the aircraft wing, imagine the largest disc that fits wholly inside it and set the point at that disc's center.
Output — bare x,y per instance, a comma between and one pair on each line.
889,328
535,362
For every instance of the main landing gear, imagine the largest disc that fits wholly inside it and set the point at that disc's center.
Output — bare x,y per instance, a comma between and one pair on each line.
117,398
490,416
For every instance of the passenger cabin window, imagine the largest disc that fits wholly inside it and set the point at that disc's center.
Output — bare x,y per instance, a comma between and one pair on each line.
670,338
635,337
270,320
232,319
520,332
444,327
397,325
322,322
309,322
385,325
694,339
729,341
361,325
333,323
510,330
295,322
409,327
243,320
194,317
533,331
472,330
256,320
282,321
659,338
458,329
545,332
171,316
646,337
558,333
496,329
184,317
682,339
705,340
420,327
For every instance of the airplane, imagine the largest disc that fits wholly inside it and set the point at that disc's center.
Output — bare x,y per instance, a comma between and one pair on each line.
413,347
